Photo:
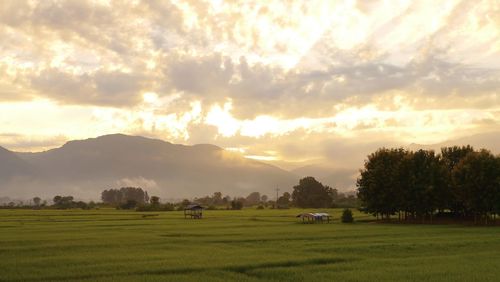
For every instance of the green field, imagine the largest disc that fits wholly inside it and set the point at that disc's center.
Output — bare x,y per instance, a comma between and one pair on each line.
247,245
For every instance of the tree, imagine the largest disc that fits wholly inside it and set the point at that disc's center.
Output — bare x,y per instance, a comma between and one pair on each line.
347,216
477,181
378,187
37,201
121,196
252,199
264,198
184,203
284,201
451,156
236,204
154,200
422,181
226,200
132,193
80,205
310,193
65,202
345,201
217,199
496,199
334,194
56,199
111,196
129,204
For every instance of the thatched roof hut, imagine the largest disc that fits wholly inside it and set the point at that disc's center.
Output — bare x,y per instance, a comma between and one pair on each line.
320,217
193,211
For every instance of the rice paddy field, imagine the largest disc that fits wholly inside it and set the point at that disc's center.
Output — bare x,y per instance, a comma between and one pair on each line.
246,245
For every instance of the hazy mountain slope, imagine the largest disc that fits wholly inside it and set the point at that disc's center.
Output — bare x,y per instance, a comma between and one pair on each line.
85,168
490,141
12,166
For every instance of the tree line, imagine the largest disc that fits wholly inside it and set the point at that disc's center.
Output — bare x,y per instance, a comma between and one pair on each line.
58,202
459,182
309,193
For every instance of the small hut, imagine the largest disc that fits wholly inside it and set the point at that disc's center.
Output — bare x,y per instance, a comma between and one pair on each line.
320,217
193,211
306,217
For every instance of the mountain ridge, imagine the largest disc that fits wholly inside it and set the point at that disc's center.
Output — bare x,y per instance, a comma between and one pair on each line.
86,167
488,140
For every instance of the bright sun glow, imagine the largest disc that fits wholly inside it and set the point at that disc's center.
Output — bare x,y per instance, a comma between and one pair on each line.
262,158
150,97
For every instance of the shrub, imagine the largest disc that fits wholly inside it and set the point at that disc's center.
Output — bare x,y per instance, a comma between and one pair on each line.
347,216
145,208
130,204
260,207
168,207
236,205
156,207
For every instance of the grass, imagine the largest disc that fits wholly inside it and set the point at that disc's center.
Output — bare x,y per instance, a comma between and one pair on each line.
247,245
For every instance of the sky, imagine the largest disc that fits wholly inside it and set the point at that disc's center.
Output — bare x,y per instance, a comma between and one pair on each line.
293,81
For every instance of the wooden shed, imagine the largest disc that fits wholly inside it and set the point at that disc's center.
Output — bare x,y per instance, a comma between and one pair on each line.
193,211
310,217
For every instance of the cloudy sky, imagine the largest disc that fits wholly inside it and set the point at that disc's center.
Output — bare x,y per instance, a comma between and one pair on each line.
287,80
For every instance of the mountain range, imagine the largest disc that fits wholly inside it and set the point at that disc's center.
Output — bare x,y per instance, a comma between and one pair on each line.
87,167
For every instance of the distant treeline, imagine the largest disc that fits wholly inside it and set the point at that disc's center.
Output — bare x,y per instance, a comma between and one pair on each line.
460,182
58,202
309,193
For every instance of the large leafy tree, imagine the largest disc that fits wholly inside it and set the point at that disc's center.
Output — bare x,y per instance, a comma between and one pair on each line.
378,184
422,183
477,181
284,201
252,199
65,202
122,195
310,193
37,201
451,156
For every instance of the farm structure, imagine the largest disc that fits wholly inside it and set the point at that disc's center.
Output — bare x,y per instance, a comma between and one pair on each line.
320,217
193,211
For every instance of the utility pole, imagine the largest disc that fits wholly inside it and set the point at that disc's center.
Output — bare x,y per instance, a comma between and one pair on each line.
277,190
